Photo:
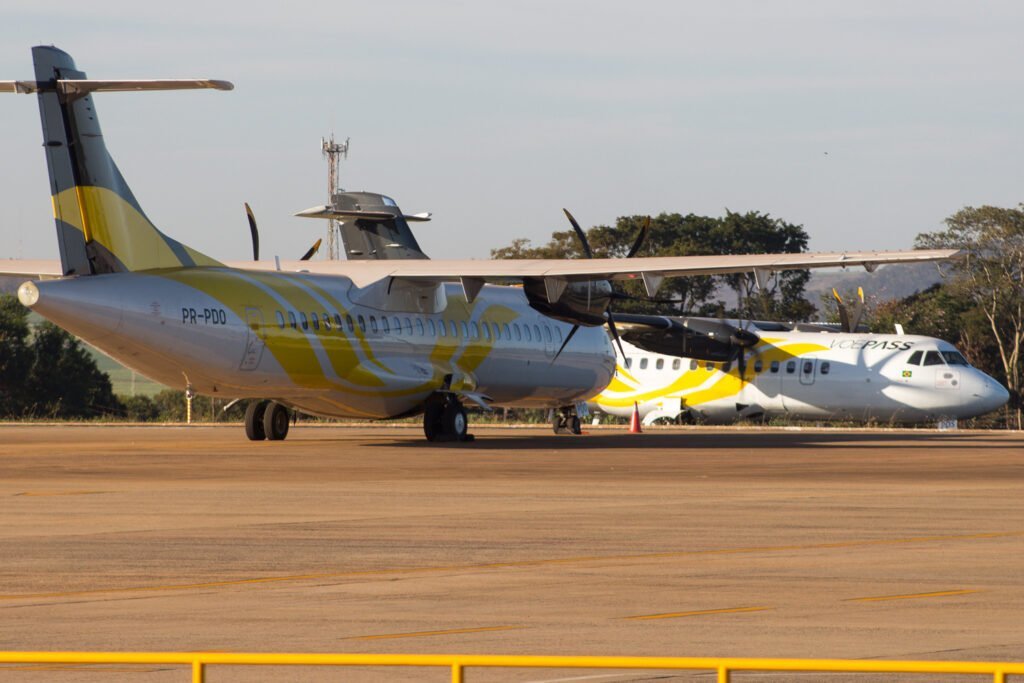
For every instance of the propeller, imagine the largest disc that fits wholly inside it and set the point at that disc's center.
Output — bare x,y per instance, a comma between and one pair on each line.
847,322
256,238
637,243
255,233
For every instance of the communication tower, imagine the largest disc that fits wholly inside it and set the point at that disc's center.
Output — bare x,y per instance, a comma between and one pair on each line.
334,152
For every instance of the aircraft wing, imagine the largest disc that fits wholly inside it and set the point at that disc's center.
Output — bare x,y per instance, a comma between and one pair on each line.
652,270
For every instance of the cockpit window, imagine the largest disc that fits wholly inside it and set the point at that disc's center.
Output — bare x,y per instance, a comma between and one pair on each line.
932,358
915,358
954,358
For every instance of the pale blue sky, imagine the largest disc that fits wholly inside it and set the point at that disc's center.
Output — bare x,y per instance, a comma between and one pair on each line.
495,115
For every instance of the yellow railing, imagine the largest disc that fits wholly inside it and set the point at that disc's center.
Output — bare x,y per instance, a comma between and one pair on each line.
458,664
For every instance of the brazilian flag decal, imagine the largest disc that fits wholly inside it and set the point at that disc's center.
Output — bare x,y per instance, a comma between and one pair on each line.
908,373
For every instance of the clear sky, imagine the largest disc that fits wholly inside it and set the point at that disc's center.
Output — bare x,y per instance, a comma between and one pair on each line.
867,122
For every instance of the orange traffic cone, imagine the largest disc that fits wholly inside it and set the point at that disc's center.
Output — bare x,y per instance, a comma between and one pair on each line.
634,421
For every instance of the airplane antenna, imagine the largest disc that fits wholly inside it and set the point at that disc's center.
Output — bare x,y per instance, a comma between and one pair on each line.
334,152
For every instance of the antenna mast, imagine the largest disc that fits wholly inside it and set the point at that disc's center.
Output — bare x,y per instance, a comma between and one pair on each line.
334,152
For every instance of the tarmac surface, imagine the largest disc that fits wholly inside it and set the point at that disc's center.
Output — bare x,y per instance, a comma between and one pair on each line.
676,542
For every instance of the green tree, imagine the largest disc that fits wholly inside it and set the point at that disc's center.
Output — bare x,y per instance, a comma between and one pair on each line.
15,356
991,279
64,380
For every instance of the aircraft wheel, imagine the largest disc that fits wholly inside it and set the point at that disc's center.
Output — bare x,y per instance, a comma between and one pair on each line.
574,425
558,423
276,421
254,420
432,427
455,422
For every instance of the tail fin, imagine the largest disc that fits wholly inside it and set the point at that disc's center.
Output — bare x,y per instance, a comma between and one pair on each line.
372,226
100,226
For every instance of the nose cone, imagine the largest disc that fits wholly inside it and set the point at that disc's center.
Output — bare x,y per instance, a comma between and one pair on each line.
983,394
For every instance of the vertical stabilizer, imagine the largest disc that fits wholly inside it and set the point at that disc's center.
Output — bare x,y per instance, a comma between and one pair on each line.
100,226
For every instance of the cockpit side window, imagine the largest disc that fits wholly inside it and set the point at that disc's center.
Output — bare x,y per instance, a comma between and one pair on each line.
954,358
932,358
915,358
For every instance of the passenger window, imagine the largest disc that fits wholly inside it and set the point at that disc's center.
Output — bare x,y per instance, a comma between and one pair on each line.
442,329
676,363
432,327
727,366
280,319
558,331
536,332
915,358
497,331
808,367
315,320
508,333
629,363
337,321
384,325
487,331
519,334
758,365
291,320
362,323
526,332
826,367
475,329
373,324
775,366
304,319
465,330
790,367
659,364
643,363
932,358
419,327
452,328
693,364
349,324
547,333
408,327
709,366
327,322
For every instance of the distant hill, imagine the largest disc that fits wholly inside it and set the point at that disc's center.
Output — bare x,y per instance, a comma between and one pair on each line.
888,282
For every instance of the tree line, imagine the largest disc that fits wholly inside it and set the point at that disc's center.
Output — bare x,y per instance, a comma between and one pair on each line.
979,306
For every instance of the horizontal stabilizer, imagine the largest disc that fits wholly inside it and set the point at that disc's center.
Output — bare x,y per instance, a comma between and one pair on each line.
362,214
78,88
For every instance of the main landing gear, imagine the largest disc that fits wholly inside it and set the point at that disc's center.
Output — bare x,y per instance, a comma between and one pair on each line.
566,421
445,419
266,420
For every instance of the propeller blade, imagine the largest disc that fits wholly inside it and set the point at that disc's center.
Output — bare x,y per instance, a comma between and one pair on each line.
566,342
858,310
844,316
615,335
255,233
640,237
312,251
579,233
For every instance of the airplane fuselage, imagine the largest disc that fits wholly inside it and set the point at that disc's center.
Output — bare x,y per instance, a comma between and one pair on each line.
324,346
808,375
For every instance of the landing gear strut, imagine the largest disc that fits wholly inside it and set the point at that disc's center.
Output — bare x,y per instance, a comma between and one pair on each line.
266,420
445,419
566,421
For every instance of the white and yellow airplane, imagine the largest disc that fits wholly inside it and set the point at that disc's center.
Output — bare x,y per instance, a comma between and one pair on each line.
384,334
765,370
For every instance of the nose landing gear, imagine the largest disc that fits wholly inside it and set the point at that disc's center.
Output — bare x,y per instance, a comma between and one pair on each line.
566,421
266,420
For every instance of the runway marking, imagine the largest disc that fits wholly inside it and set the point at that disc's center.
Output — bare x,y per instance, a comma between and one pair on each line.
697,613
514,565
86,667
45,494
422,634
913,596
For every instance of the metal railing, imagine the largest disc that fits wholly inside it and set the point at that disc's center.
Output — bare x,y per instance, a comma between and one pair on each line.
723,666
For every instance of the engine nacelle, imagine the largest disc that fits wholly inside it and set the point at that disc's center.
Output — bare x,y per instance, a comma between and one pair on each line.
580,303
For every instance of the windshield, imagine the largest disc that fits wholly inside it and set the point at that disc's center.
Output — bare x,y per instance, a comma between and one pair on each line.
954,358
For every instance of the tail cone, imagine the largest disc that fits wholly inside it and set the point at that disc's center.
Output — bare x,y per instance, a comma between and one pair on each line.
634,421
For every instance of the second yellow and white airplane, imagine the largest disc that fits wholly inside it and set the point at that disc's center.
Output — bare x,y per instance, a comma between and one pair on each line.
385,334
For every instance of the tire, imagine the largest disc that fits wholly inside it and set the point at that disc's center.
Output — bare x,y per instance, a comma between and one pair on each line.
454,421
432,428
574,425
558,423
276,421
254,420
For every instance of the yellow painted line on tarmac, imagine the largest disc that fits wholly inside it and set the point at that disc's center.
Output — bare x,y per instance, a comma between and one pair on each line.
44,494
913,596
697,613
422,634
515,564
79,667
